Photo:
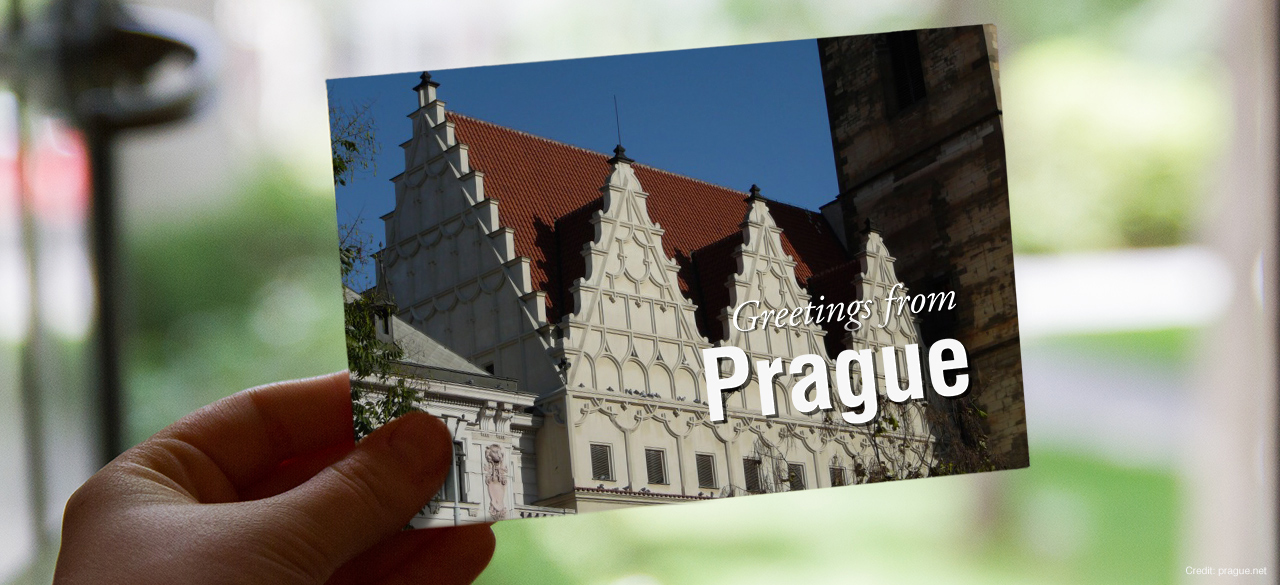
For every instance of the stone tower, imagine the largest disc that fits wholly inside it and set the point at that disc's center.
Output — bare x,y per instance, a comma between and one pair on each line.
916,129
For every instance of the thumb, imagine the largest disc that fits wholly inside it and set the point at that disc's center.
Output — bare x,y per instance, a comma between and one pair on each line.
369,494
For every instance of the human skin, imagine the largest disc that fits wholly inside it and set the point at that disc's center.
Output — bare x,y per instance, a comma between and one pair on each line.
268,486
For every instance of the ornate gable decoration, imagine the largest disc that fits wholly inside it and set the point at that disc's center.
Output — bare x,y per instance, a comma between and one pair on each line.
876,280
631,331
766,282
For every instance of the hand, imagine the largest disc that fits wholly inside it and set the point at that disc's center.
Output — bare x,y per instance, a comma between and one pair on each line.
267,486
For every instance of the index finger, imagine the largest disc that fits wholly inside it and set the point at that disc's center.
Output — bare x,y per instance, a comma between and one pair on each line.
247,434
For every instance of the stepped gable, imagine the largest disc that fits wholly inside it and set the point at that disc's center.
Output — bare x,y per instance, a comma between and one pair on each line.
539,182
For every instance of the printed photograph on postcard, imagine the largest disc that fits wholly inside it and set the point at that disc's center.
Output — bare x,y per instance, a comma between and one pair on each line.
673,277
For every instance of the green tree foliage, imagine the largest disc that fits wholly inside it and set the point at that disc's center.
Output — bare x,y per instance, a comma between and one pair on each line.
351,140
368,356
354,148
962,440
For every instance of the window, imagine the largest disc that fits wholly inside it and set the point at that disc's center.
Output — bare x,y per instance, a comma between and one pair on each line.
905,68
837,476
601,462
751,469
795,476
456,477
706,470
655,462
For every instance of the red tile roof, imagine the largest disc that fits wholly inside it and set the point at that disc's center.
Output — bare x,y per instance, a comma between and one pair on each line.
547,191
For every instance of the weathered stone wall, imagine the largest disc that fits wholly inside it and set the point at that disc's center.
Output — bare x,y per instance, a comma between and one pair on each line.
931,174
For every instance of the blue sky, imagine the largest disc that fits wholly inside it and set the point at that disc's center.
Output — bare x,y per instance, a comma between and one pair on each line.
732,116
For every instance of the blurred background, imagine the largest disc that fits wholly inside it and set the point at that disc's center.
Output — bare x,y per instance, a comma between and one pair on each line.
1141,139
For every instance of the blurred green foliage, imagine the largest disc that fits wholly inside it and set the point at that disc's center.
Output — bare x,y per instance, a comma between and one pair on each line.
1076,519
1021,22
1068,519
1163,349
247,295
1105,150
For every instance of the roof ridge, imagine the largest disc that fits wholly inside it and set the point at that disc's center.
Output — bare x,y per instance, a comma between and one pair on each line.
606,156
793,206
525,134
696,180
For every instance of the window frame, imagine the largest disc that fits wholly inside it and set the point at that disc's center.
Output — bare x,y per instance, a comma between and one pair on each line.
795,473
712,467
757,464
454,488
662,463
608,459
838,471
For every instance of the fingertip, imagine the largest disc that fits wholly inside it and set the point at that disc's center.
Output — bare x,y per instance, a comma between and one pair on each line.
421,443
380,484
454,554
340,381
480,536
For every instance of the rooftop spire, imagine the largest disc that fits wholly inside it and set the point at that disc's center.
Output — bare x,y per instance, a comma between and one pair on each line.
617,118
620,155
755,194
425,81
426,89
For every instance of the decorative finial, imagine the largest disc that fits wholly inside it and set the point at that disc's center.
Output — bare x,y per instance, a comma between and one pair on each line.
755,194
617,118
425,81
620,155
870,226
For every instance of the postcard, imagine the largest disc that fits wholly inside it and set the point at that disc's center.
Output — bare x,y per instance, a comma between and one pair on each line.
673,277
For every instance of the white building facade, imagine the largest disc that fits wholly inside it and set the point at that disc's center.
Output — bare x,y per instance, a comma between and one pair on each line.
493,425
604,340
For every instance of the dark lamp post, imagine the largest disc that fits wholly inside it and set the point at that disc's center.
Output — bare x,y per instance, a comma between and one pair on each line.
103,68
